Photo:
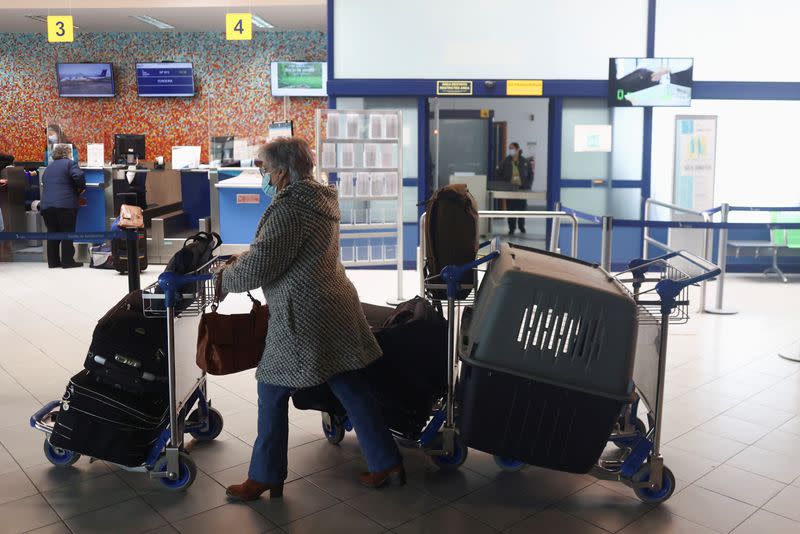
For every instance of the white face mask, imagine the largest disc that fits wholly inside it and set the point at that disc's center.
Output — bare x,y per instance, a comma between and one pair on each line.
512,152
52,138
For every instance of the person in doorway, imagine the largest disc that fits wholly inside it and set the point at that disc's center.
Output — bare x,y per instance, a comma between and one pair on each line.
63,183
317,332
516,170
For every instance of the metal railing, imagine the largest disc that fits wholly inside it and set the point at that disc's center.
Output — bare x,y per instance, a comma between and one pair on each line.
556,216
707,243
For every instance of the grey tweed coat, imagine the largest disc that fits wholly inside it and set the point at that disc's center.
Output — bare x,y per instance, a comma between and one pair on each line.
317,328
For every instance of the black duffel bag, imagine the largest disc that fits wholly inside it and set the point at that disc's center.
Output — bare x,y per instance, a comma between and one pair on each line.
196,252
409,378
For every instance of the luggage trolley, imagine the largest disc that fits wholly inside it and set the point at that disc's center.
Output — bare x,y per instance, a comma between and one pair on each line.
438,438
557,355
180,300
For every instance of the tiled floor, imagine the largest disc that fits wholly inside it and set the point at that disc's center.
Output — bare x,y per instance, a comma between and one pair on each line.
732,433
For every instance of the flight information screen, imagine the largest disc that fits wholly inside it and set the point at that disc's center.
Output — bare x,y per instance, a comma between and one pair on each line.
165,79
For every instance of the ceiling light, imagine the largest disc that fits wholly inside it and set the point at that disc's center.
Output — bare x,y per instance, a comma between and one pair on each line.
153,22
42,18
258,22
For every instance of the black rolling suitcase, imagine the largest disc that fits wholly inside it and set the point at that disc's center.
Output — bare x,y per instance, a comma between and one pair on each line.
107,423
128,350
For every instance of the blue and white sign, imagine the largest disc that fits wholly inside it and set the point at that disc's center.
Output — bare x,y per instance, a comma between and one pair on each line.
165,79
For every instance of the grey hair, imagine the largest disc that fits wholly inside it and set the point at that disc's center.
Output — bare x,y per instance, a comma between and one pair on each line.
292,155
62,151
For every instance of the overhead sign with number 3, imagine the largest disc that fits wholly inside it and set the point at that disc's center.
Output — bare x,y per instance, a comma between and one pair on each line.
59,29
238,26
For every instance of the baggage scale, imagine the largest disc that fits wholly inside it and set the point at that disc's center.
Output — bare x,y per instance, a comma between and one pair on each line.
179,300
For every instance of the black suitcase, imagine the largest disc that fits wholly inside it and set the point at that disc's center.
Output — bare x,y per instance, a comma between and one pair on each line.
119,252
409,378
128,350
108,424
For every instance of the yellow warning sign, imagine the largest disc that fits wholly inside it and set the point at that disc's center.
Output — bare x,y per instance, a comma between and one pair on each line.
524,88
454,87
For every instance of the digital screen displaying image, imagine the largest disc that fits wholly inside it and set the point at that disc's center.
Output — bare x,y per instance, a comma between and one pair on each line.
299,78
650,81
165,79
86,80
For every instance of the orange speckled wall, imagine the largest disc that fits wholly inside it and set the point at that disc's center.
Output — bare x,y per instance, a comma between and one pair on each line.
232,84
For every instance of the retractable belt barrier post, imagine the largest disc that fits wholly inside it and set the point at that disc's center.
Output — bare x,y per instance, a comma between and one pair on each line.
130,236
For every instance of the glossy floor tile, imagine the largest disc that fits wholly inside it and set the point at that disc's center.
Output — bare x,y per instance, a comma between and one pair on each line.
731,434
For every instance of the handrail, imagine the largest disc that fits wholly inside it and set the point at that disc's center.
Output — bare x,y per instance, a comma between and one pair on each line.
669,205
712,211
596,219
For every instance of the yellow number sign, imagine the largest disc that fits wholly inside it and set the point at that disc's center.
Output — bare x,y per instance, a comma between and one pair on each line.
238,26
59,29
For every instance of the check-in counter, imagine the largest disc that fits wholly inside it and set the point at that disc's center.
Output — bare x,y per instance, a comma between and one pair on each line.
241,204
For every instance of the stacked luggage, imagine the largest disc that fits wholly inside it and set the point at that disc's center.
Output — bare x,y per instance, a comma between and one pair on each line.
547,360
410,377
116,409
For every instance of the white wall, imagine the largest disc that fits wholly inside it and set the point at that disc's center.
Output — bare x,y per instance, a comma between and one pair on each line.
548,39
756,151
517,113
735,40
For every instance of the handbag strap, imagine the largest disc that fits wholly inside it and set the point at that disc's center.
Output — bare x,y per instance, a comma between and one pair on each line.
215,302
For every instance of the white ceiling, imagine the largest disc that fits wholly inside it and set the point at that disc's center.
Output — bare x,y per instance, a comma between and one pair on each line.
185,15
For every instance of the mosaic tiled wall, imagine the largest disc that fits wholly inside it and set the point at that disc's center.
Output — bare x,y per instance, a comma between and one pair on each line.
232,82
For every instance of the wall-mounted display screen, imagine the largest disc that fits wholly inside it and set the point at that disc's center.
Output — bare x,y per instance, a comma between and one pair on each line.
165,79
650,81
299,78
85,80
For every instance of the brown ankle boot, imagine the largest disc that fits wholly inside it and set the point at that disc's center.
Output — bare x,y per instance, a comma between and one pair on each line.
251,490
393,475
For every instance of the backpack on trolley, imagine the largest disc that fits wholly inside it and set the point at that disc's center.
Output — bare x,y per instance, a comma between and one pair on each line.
451,234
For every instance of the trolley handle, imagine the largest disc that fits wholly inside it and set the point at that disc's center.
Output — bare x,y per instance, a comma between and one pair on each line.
452,274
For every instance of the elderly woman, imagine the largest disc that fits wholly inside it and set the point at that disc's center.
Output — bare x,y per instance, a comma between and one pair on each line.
317,331
63,183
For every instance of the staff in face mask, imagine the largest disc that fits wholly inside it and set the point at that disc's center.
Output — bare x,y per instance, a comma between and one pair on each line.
516,170
56,136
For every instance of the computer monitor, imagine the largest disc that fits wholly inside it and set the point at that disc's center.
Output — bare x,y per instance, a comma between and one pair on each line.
128,148
222,148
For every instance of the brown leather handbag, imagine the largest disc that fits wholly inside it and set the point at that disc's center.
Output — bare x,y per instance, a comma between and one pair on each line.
228,344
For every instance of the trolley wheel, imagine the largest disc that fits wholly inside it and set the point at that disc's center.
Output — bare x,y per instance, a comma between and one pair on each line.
215,424
58,456
641,430
652,495
455,460
334,430
187,471
508,464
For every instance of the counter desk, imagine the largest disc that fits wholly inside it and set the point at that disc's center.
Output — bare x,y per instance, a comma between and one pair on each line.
241,204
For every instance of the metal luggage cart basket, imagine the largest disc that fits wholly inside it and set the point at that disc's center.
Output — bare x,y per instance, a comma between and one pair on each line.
660,287
179,300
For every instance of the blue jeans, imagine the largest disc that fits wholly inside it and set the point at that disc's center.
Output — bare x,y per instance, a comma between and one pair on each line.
269,462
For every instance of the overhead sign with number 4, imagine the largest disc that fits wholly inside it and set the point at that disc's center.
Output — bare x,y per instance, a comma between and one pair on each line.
238,26
60,29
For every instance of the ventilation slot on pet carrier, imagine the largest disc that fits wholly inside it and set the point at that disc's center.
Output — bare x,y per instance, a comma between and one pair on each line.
560,329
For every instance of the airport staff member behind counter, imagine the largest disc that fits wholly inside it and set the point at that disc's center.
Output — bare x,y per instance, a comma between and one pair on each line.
516,170
63,183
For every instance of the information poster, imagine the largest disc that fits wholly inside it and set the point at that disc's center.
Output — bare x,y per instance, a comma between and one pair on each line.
693,180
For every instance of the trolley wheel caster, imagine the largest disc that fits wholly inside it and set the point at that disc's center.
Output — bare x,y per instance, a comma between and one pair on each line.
508,465
187,471
641,430
334,430
215,424
455,460
652,495
58,456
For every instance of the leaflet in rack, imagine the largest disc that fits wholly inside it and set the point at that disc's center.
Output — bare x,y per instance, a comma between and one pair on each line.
360,153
